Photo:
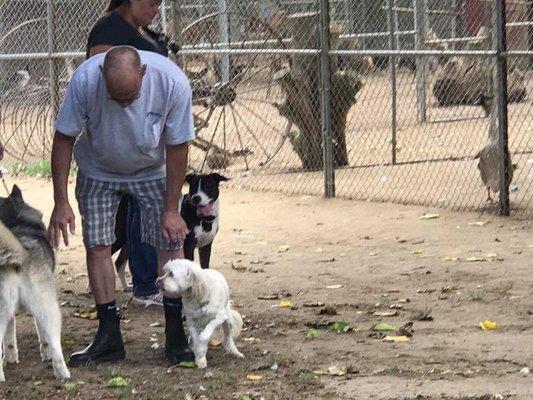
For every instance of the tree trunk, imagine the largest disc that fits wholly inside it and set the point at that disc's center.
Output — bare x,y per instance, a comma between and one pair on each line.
301,84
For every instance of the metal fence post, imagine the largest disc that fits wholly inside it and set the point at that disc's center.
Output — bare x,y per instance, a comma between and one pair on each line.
420,7
325,109
392,69
223,30
52,73
177,26
501,85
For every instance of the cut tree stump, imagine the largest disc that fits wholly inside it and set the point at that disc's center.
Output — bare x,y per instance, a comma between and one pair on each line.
301,84
462,80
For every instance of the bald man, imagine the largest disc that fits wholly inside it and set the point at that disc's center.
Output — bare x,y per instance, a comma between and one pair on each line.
135,111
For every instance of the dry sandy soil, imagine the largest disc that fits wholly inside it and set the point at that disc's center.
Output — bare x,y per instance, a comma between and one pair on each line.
358,259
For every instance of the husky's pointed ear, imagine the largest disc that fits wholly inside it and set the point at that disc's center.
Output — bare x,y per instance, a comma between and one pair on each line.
16,194
219,177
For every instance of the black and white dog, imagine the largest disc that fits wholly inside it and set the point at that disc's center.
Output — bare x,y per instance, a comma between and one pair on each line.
200,210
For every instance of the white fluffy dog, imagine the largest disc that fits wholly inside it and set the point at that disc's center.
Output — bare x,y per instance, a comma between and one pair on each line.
205,297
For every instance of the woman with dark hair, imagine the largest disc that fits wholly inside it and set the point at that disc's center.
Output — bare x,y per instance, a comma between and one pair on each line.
126,22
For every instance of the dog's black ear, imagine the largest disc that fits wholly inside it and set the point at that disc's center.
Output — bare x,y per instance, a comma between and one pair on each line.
16,194
189,177
219,177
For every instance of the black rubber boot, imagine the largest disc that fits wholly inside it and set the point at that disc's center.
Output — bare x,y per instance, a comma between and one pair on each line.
176,343
107,345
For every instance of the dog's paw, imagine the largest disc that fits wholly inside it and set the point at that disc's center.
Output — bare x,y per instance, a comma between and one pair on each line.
238,354
61,372
2,376
201,363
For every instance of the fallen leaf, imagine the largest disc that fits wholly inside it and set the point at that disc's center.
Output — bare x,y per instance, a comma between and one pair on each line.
488,325
425,291
341,327
477,223
377,335
155,324
250,339
155,346
423,315
86,314
274,296
245,397
430,216
72,385
328,310
311,334
333,371
406,329
448,289
451,259
475,259
384,327
284,248
285,304
337,371
253,377
372,254
187,364
396,339
314,304
396,307
239,268
417,252
117,382
385,313
334,286
241,252
215,343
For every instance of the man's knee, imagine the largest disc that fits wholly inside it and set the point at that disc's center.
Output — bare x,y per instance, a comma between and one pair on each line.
98,252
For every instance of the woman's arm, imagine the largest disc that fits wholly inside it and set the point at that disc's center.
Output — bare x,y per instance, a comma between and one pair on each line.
99,48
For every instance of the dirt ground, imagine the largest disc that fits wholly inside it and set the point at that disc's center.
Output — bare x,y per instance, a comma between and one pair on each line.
361,260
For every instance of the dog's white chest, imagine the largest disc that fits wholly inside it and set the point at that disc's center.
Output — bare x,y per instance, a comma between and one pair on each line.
203,236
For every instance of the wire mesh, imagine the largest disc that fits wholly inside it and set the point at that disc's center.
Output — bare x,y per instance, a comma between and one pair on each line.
410,82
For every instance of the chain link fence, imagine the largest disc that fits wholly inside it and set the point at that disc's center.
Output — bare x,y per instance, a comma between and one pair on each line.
392,100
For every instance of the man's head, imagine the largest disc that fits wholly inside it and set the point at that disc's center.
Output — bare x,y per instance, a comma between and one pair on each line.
123,74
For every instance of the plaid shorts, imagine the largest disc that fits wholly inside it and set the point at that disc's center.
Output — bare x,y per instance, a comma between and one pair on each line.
98,204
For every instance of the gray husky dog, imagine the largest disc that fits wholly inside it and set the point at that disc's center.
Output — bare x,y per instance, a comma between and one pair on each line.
28,280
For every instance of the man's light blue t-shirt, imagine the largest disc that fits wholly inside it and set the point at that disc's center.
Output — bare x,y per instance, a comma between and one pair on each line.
127,144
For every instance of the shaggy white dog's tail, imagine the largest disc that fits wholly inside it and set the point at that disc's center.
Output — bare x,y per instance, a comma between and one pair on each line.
235,322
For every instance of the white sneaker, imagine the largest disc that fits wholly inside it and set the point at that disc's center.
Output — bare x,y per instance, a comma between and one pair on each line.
152,300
